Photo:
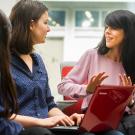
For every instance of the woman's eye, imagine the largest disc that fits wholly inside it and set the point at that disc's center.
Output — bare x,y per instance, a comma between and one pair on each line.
106,27
45,22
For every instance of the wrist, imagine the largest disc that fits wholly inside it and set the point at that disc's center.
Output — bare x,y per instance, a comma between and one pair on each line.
89,91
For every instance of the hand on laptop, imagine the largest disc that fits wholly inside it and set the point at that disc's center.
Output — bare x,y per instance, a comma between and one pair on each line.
95,81
77,118
62,119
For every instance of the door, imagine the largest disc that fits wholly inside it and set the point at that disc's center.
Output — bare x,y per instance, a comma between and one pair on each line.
52,54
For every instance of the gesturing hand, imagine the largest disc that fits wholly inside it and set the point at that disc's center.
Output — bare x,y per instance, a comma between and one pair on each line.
126,81
95,81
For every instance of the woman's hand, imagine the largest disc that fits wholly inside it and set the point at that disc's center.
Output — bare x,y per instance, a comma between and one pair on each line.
126,81
56,120
95,81
64,120
77,118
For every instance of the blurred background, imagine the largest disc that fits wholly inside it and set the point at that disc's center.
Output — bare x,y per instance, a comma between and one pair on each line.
76,25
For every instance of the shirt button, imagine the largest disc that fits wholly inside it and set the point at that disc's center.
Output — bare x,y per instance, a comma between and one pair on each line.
38,114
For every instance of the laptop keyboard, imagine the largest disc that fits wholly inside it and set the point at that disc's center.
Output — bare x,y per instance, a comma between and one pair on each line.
65,128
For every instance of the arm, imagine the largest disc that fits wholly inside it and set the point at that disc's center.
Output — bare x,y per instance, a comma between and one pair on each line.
28,121
74,82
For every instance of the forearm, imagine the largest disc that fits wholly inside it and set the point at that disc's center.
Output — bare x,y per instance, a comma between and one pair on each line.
26,121
69,88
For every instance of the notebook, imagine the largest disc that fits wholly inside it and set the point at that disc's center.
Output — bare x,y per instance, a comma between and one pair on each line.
105,109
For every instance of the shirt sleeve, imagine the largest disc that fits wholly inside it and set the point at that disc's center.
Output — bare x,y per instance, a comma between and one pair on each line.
50,99
75,81
9,127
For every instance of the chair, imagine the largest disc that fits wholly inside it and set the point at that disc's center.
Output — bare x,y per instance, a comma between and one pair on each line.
75,108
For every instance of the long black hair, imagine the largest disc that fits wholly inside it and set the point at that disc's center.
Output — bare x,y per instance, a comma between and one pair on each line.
7,89
125,20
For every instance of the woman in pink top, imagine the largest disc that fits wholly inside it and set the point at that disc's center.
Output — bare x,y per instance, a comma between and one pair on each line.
112,62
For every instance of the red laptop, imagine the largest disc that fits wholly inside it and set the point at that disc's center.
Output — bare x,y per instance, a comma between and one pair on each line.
105,109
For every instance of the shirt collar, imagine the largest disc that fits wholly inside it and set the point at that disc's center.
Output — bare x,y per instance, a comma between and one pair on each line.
19,63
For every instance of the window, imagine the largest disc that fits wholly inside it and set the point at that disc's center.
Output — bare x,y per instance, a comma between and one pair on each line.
57,18
103,15
86,18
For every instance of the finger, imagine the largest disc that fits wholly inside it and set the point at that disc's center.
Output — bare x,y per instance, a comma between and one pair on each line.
90,85
81,116
129,80
68,121
122,79
101,79
92,79
125,79
98,77
79,119
61,122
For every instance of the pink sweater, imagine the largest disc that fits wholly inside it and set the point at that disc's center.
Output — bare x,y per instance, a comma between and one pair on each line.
89,64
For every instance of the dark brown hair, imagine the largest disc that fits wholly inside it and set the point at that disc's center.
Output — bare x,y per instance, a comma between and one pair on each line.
7,89
21,16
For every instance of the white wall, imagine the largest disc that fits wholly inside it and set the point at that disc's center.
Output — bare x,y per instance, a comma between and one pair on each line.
6,6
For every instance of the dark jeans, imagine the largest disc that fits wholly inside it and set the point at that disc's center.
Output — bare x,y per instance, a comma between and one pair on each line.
36,131
127,125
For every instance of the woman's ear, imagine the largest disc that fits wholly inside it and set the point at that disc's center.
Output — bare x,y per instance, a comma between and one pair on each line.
32,25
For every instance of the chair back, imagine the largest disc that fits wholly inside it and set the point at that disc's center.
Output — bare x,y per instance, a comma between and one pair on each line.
75,108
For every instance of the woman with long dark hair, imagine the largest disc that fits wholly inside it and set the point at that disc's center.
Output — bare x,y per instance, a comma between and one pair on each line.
111,63
8,101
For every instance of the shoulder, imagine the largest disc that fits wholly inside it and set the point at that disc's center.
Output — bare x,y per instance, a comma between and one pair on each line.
90,53
37,58
88,57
